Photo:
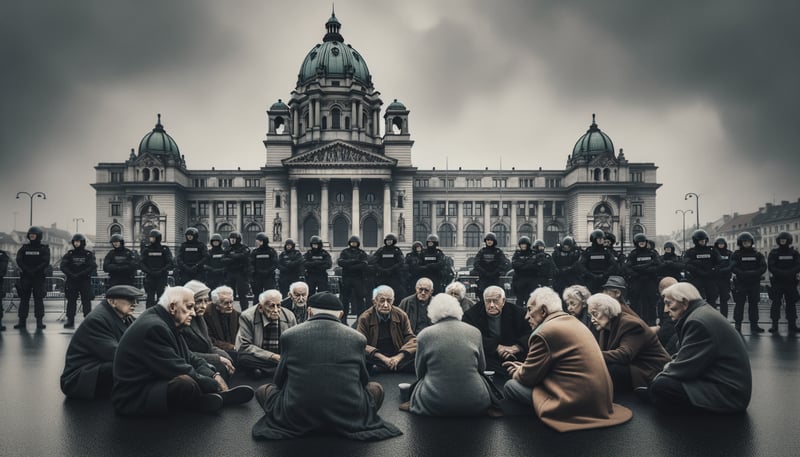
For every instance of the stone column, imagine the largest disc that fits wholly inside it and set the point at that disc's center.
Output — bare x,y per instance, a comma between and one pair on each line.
460,225
355,218
295,122
387,207
513,209
487,218
540,219
317,117
292,211
323,212
353,116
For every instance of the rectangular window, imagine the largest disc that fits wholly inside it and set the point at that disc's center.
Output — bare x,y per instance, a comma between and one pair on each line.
416,210
425,207
506,208
548,208
199,182
478,208
636,176
531,208
559,208
219,208
520,208
499,182
495,209
225,182
473,182
252,182
636,210
202,208
116,209
117,176
247,209
448,182
452,209
231,209
552,183
468,209
421,182
258,208
526,182
439,209
193,209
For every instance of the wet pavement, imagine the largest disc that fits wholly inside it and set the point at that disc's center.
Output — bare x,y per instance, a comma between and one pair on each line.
35,418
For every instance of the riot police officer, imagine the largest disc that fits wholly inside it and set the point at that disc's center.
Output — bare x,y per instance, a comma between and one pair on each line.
236,260
263,263
4,259
642,266
156,261
565,257
120,263
490,264
317,261
78,265
747,266
215,269
433,264
192,254
723,276
609,241
412,265
701,261
784,266
290,266
353,261
671,262
388,263
33,259
597,262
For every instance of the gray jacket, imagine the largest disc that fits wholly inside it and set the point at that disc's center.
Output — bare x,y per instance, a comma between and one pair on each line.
250,336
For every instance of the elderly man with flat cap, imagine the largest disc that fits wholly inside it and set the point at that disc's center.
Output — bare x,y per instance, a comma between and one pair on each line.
155,372
90,355
321,382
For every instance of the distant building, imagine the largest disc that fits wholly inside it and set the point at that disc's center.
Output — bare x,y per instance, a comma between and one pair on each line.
329,171
764,224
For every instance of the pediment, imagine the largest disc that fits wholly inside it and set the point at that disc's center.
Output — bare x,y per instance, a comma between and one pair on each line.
604,161
148,160
339,154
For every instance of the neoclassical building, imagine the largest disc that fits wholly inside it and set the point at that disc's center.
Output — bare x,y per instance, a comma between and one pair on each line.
337,164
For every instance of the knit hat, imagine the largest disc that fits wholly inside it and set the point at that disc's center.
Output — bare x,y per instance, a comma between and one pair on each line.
325,300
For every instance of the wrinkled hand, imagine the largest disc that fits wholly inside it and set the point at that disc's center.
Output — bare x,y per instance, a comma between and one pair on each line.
228,365
512,367
393,362
223,386
507,352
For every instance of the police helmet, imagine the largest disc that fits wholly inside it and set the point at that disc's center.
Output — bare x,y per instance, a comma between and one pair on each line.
568,241
118,237
36,231
416,244
155,234
698,235
192,231
288,242
261,236
433,239
315,240
538,244
390,237
215,237
524,240
354,238
235,236
638,238
671,245
595,236
79,237
610,237
744,236
721,240
784,236
490,236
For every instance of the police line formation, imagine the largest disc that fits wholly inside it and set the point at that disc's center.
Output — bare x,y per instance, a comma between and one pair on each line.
181,353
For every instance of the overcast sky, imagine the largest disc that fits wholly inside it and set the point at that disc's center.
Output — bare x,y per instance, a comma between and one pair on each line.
706,90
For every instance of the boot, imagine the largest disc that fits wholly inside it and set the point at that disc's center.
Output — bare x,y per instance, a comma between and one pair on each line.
39,324
21,324
738,326
70,323
754,328
774,328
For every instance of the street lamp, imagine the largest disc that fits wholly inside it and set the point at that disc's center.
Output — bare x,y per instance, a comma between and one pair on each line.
683,213
41,195
78,219
696,207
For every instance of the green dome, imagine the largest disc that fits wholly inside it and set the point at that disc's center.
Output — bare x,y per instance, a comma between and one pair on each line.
279,106
158,142
396,106
593,143
334,59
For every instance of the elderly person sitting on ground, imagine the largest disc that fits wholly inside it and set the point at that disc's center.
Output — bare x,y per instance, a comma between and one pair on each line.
503,329
196,335
575,298
450,364
630,347
260,330
156,373
459,290
711,371
391,345
223,320
563,378
296,301
416,305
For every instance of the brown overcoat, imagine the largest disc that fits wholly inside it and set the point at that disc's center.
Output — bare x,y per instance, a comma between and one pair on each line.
214,319
572,389
403,338
630,341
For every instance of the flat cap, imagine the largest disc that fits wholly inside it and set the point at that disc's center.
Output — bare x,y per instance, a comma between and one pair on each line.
124,291
325,300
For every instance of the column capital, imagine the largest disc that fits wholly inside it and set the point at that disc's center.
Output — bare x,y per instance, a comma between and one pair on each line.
355,181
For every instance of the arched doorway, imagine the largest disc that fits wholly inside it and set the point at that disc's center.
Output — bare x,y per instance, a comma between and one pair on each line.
225,229
472,236
249,235
370,227
447,235
525,230
340,231
552,234
310,228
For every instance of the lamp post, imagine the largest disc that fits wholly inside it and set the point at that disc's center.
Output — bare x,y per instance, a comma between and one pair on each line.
41,195
683,213
78,219
696,205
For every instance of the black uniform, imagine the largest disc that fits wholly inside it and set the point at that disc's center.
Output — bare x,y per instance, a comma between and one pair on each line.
723,276
290,266
236,260
413,261
433,265
701,262
192,255
78,265
565,258
215,270
532,269
784,266
263,263
642,266
671,263
33,259
490,264
748,265
121,264
597,264
353,261
389,263
4,259
156,261
317,261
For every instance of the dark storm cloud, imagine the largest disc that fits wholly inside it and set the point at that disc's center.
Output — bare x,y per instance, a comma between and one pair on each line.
56,51
739,57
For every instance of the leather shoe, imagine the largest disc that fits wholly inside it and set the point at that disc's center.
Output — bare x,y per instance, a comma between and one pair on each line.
69,324
20,325
237,395
208,403
404,406
262,392
756,329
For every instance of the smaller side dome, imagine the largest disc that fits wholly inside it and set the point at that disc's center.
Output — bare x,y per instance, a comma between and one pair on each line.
279,106
396,106
158,142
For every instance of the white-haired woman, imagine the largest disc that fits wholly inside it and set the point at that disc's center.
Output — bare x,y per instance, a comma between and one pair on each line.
459,290
631,349
575,299
196,335
449,364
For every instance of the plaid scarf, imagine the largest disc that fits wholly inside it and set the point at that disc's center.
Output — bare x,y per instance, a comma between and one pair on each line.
272,337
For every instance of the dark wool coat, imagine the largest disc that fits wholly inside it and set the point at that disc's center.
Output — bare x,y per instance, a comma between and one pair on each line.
712,361
630,341
92,346
403,338
198,341
514,330
449,366
150,354
572,389
321,381
214,320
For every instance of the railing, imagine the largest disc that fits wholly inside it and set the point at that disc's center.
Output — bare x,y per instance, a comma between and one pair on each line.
54,290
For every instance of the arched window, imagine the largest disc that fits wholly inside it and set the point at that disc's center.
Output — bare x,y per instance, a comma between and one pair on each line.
597,174
249,235
472,236
501,231
526,230
552,234
224,230
310,228
370,228
156,174
115,229
397,125
447,236
421,232
279,125
145,174
637,229
340,231
606,174
336,116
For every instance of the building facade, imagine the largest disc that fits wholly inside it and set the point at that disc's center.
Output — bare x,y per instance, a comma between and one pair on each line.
337,164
